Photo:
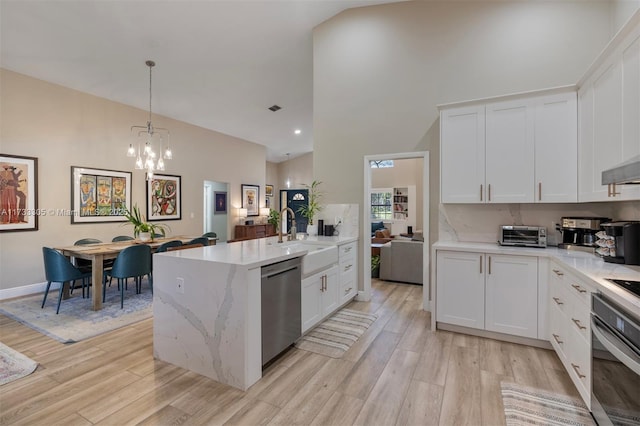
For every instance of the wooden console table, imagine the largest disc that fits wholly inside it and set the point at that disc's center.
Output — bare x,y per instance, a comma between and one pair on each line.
250,232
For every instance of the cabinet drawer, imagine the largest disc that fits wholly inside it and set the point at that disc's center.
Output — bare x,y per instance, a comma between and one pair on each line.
579,317
558,331
346,251
347,289
578,365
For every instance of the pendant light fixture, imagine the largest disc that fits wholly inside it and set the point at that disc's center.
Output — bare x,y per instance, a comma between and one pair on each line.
146,157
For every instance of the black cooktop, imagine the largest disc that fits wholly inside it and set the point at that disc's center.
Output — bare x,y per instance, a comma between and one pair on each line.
632,286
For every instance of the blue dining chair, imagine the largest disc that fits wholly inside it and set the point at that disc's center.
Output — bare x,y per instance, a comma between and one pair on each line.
85,265
200,240
121,238
59,269
210,235
132,262
164,246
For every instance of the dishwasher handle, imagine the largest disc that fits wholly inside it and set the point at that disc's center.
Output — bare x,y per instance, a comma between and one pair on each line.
280,268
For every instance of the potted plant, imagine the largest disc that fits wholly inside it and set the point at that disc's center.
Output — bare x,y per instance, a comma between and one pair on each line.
273,218
141,228
313,207
375,266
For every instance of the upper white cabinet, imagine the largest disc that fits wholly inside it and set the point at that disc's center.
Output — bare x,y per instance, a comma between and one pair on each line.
521,150
609,119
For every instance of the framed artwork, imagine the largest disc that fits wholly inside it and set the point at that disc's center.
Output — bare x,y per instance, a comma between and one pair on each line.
251,199
220,198
19,194
164,196
99,195
269,190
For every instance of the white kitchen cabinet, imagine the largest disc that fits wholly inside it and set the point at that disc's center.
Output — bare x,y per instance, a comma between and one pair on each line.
462,153
460,288
556,149
570,327
609,120
511,295
524,151
348,269
319,296
491,292
509,151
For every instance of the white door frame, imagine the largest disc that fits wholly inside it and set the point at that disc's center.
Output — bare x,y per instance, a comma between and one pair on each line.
366,222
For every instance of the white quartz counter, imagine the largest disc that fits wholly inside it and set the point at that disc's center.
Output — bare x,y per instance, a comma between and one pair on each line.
256,253
586,265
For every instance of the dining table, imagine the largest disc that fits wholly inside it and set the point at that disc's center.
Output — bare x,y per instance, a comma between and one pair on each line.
99,252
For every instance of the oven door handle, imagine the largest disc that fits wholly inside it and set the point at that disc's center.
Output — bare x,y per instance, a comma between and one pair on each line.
615,346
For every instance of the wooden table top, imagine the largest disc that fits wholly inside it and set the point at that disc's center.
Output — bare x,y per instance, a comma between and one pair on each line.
118,246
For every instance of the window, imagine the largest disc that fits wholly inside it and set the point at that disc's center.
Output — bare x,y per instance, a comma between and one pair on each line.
381,164
381,208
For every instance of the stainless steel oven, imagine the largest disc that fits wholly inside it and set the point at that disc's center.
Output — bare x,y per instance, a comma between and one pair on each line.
615,363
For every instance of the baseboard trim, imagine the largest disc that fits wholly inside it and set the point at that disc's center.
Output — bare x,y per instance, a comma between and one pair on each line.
496,336
26,290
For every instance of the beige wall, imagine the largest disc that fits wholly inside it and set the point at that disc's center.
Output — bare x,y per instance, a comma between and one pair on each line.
64,128
403,173
381,71
298,169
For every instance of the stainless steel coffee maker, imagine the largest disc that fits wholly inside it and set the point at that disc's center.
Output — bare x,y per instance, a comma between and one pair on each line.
579,233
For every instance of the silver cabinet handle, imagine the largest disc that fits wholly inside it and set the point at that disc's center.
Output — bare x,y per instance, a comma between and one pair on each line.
557,300
577,323
578,288
481,264
489,267
346,291
489,193
349,266
347,249
611,190
557,338
576,368
539,191
480,192
557,272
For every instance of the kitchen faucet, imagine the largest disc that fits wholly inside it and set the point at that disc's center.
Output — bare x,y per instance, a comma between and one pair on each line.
293,224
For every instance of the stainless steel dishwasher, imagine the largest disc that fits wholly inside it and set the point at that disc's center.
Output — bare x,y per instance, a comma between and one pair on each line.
281,307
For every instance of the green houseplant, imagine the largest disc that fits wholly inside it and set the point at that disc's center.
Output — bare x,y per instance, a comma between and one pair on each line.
375,266
313,207
142,228
274,217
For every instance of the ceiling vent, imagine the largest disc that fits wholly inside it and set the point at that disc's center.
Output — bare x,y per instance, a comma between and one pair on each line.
274,108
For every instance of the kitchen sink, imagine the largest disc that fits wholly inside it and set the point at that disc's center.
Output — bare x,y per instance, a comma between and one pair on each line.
318,256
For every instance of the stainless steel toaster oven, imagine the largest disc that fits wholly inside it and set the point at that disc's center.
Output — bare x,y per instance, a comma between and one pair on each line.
523,236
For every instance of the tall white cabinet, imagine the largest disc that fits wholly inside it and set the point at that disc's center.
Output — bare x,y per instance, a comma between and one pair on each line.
522,149
609,118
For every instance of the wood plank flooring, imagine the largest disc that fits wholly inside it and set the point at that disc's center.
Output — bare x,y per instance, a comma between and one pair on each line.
398,373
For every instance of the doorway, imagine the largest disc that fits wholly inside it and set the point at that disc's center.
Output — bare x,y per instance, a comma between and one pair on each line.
366,223
216,209
294,199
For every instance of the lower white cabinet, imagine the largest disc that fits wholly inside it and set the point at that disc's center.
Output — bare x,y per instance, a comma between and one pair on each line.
348,266
319,296
570,327
493,292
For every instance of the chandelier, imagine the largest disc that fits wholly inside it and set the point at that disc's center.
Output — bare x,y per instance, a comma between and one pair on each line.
146,156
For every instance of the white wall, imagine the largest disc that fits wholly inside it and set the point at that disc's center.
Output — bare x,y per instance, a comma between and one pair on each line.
64,128
381,71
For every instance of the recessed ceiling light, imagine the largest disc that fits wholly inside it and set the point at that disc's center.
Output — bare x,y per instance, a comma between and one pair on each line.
297,131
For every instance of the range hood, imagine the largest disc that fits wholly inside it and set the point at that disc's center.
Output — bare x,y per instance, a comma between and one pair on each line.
623,173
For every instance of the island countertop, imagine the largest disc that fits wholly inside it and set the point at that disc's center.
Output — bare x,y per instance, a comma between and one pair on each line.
256,253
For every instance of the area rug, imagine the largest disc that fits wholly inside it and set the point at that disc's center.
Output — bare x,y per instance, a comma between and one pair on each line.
529,406
14,365
77,320
334,336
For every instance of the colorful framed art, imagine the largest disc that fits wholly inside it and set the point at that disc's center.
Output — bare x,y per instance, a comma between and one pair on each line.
99,195
251,199
164,197
19,193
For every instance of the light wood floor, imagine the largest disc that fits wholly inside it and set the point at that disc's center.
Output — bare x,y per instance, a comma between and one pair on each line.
398,373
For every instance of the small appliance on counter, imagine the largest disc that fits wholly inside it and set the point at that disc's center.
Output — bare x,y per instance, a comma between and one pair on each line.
620,242
523,236
579,233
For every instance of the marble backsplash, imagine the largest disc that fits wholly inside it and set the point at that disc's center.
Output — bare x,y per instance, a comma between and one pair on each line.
480,222
347,213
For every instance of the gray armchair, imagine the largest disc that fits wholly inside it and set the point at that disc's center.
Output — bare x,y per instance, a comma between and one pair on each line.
401,260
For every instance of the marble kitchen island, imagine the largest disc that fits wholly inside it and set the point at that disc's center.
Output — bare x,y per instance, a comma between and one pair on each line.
207,306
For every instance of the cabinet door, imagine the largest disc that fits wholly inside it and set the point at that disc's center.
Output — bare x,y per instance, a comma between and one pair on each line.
460,288
330,295
512,295
556,149
311,301
630,111
586,168
462,148
510,151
